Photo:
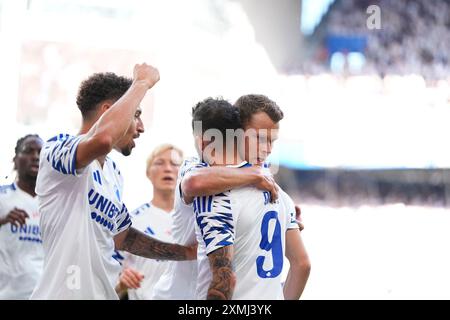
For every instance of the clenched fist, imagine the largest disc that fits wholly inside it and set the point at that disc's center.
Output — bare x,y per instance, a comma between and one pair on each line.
146,73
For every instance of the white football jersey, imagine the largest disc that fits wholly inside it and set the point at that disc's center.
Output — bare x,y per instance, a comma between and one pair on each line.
21,252
81,212
179,280
245,218
157,223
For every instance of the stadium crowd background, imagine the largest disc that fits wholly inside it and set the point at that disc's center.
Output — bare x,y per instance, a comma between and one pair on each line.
365,129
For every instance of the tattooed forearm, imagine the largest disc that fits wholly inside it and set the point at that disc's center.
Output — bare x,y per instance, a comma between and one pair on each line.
140,244
223,278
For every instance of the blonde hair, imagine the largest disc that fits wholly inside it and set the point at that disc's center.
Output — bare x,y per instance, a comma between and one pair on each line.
160,149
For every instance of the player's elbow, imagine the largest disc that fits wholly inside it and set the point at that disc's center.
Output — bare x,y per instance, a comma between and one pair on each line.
191,186
302,265
305,266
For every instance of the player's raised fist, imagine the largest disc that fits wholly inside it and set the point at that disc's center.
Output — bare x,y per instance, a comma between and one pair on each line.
146,73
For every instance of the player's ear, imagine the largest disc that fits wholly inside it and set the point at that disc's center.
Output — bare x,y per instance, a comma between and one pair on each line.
14,162
104,106
147,173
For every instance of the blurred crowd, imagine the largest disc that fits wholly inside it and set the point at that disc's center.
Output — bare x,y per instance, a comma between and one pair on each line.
355,188
414,36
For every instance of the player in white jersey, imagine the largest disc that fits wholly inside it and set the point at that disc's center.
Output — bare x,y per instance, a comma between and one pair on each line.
262,117
139,275
256,230
21,252
180,279
83,217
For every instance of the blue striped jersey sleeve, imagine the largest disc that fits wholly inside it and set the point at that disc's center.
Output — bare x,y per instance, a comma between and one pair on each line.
122,219
188,165
214,218
60,152
191,165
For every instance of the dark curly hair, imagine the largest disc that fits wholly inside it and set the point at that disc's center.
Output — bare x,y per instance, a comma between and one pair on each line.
98,88
253,103
216,113
22,140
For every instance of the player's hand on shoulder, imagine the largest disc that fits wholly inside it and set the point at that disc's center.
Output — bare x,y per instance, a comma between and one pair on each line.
266,182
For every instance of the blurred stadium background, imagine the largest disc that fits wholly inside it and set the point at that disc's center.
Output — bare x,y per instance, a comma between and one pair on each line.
363,144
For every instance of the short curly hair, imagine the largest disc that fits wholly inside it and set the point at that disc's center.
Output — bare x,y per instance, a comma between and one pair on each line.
216,113
98,88
253,103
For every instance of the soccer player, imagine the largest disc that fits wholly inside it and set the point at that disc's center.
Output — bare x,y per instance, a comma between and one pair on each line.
180,279
83,217
260,117
139,275
21,252
241,234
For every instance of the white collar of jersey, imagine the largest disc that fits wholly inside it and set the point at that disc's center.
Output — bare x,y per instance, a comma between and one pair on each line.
102,169
16,188
240,165
162,210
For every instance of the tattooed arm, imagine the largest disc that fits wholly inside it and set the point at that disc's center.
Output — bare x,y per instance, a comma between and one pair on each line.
223,278
140,244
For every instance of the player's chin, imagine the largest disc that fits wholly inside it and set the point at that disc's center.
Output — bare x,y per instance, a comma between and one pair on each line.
32,174
126,151
168,187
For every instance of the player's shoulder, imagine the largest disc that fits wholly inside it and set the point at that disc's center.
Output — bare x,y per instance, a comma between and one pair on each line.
58,138
6,190
56,142
253,196
189,163
282,194
248,197
141,209
284,199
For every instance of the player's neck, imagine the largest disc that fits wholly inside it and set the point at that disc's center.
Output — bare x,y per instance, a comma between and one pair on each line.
163,200
27,185
86,126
